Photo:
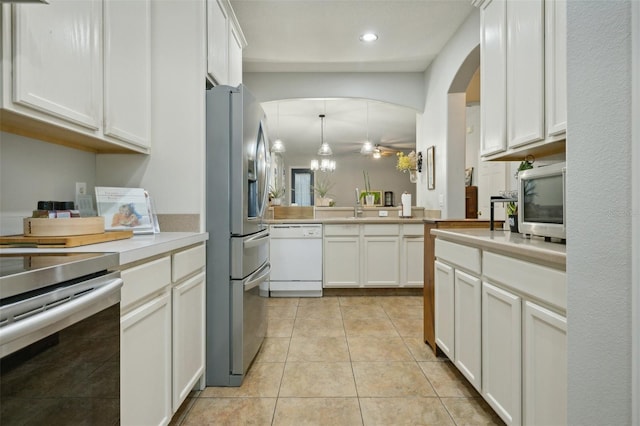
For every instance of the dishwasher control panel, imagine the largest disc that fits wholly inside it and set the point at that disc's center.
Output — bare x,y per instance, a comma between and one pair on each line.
296,231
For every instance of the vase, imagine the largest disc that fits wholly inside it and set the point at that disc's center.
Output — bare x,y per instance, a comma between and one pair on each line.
369,200
413,175
276,201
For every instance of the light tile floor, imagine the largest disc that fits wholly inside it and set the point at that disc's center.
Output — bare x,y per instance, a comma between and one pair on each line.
347,361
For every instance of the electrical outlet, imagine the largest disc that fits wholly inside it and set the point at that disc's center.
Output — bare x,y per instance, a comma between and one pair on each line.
81,188
383,213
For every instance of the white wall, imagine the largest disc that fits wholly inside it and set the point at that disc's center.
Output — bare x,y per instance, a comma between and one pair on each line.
434,123
599,221
32,171
174,174
472,150
401,88
383,176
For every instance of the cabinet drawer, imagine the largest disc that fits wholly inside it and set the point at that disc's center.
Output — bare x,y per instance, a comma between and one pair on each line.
463,256
330,230
546,284
390,229
187,262
413,230
143,280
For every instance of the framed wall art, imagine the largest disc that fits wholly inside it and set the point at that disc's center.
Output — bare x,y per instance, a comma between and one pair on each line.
431,171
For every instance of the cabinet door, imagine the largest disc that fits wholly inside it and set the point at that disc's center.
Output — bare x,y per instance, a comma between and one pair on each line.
341,262
467,330
545,367
235,56
556,66
145,363
188,336
57,60
127,76
217,41
525,72
411,268
501,351
444,308
381,261
493,77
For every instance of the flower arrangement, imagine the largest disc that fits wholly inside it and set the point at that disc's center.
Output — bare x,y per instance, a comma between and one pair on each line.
367,185
406,162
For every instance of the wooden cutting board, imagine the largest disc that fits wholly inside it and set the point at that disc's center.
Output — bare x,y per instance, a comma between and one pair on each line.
64,241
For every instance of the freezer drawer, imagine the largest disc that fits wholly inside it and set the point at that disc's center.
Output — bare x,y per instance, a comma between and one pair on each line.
248,253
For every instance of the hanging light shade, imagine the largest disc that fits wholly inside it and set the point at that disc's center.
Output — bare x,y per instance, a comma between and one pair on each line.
377,153
367,146
278,145
325,149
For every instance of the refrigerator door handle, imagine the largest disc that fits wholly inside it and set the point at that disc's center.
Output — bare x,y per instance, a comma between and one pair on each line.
256,240
260,276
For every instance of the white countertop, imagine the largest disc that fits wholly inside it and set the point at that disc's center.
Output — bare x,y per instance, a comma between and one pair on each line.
131,249
512,244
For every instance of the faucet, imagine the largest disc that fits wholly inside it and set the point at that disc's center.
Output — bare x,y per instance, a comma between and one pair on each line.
357,211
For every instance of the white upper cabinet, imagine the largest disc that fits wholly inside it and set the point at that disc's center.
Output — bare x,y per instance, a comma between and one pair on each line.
57,52
493,77
225,42
525,72
556,67
218,41
523,78
127,65
77,73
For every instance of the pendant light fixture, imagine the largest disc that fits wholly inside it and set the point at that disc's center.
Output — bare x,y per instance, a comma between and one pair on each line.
367,146
278,145
325,149
325,164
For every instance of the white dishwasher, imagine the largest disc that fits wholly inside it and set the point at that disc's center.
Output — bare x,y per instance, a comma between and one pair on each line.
296,260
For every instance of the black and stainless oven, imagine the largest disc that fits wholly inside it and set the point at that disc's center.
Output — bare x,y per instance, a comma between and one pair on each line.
59,339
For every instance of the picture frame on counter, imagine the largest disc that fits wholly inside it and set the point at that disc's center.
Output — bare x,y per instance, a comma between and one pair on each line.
125,208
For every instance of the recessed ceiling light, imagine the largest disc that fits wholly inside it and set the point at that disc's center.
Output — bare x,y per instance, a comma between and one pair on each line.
368,37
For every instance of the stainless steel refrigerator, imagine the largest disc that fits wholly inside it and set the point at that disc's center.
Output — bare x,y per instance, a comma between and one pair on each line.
237,156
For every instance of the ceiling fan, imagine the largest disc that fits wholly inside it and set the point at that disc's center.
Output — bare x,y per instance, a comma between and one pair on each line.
377,150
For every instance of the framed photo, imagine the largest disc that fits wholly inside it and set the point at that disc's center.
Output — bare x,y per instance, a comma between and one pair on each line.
431,171
377,198
124,208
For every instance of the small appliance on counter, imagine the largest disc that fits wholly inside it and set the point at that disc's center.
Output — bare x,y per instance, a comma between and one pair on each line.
388,199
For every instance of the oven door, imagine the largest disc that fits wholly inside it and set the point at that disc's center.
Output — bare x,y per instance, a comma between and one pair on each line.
60,355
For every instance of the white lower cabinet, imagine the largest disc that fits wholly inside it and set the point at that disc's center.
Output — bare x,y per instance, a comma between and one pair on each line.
341,262
381,261
162,324
501,321
545,366
467,301
501,352
412,256
189,313
145,363
386,255
444,279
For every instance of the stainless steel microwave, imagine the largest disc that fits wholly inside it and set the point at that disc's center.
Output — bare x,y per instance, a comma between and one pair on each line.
542,201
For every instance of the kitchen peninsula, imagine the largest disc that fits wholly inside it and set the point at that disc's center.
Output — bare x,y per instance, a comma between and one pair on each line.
501,317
